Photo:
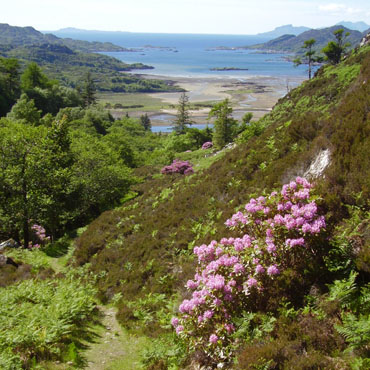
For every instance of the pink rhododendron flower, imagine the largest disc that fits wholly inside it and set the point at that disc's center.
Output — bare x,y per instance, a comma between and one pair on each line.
273,270
213,338
208,314
238,268
260,269
179,329
252,282
229,270
175,321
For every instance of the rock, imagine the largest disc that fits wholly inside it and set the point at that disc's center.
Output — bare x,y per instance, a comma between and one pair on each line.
10,243
365,40
4,260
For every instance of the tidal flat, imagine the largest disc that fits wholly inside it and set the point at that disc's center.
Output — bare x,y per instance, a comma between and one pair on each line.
255,94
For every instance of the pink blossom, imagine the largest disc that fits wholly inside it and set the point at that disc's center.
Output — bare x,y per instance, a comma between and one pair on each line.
175,321
217,302
213,338
229,327
271,247
252,282
179,329
216,282
260,269
238,268
208,314
192,284
273,270
269,233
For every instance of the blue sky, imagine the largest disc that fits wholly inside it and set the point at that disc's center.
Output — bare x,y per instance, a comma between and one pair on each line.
182,16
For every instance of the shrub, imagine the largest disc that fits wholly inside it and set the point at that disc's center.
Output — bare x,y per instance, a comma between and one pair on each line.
276,231
207,145
177,166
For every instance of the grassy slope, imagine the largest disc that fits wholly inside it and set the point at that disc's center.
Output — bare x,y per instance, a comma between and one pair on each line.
145,246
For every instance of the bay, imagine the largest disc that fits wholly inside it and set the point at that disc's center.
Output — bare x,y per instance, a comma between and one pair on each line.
193,55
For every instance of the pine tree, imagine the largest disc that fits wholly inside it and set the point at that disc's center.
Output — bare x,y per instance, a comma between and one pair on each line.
145,122
183,116
88,92
309,56
335,49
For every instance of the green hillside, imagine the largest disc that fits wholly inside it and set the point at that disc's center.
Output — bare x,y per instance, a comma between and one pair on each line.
145,247
293,44
69,60
21,36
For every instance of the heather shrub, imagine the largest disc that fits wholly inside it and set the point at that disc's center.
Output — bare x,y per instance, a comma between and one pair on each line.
275,233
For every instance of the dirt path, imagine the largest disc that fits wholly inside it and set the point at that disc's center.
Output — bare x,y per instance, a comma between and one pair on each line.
111,344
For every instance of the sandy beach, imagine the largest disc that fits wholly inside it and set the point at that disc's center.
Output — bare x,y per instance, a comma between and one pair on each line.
256,94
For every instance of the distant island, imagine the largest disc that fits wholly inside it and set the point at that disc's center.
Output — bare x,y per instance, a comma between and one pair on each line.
228,69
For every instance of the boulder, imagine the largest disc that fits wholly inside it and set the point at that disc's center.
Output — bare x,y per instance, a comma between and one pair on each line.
10,243
4,260
365,40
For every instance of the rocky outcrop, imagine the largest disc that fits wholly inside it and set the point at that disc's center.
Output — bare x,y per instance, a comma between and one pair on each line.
10,243
318,165
4,260
366,40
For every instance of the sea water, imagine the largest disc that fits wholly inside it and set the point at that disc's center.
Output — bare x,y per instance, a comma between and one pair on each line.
194,55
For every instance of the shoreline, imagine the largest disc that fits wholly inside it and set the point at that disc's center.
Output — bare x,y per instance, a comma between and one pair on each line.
255,94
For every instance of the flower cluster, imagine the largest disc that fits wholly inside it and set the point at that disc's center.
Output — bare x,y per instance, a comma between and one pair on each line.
229,271
40,235
207,145
177,166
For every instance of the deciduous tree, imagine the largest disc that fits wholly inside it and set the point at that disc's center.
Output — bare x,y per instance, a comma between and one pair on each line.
224,124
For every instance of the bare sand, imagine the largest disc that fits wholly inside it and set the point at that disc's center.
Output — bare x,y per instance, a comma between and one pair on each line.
255,94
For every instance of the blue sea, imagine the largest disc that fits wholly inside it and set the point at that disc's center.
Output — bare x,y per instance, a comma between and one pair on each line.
193,55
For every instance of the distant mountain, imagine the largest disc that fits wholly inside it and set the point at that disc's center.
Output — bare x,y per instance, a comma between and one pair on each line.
293,44
68,60
284,30
21,36
357,26
72,30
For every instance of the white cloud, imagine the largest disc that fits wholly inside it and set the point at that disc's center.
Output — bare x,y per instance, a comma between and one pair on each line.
336,8
332,7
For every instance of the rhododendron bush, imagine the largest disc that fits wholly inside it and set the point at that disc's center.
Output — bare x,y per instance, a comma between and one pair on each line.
273,232
207,145
178,166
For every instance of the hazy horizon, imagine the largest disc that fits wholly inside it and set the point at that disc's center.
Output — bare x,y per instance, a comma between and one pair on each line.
234,17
